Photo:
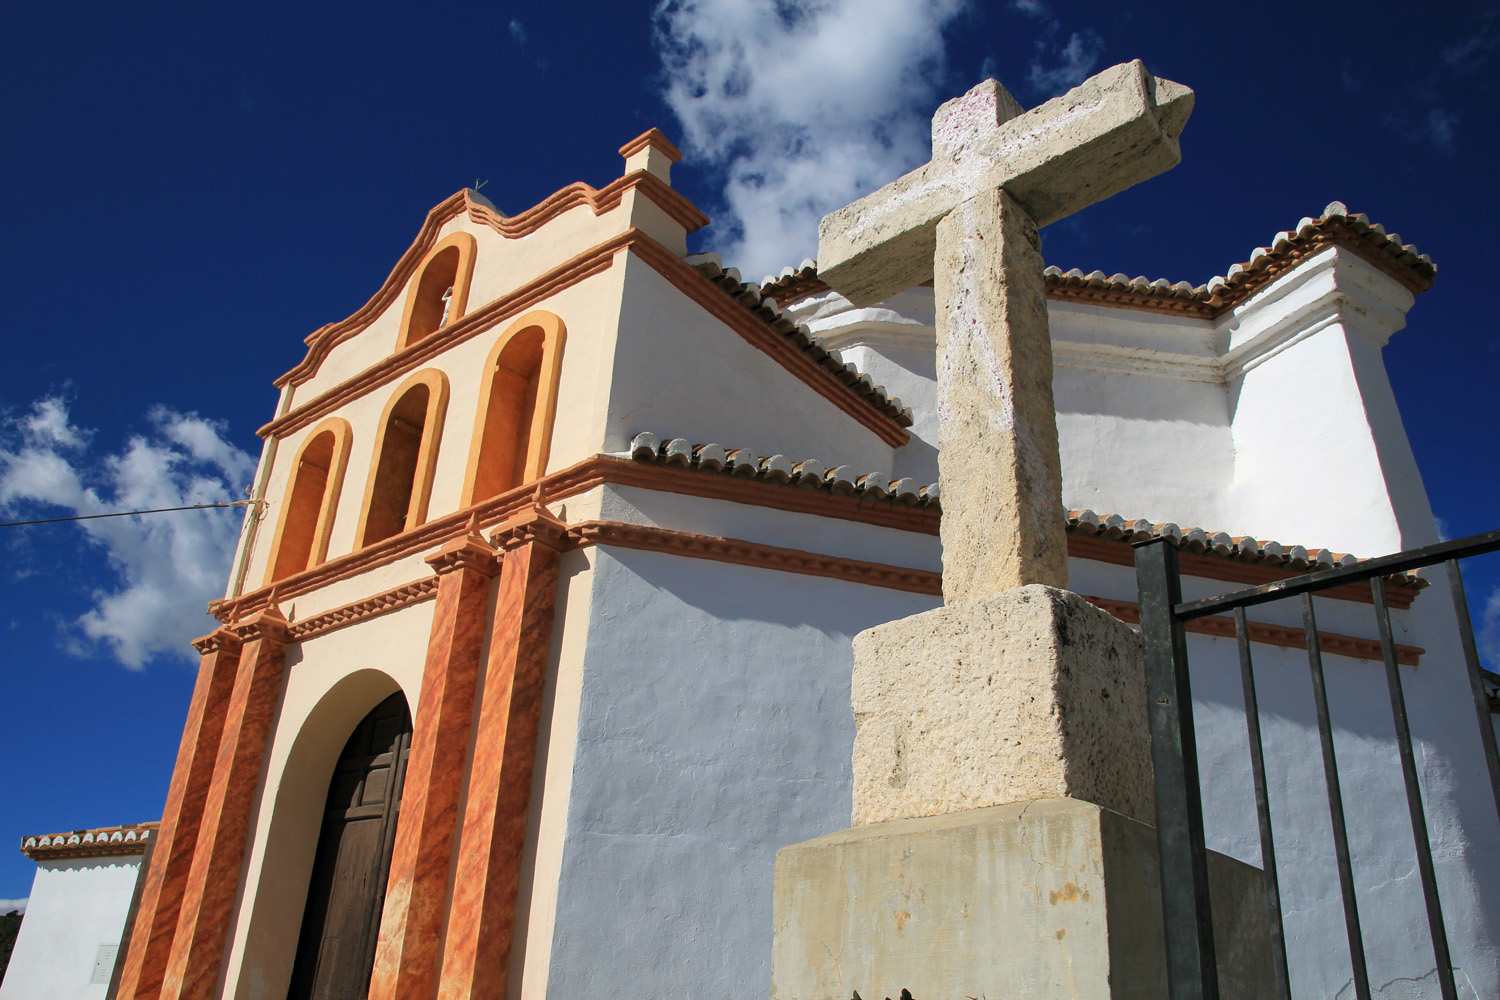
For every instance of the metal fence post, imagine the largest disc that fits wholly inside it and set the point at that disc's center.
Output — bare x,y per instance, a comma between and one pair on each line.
1192,972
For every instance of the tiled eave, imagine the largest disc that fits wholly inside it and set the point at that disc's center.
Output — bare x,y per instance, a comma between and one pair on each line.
715,459
1335,227
748,295
101,842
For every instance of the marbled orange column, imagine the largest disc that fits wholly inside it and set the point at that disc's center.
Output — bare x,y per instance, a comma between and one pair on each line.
197,952
476,952
150,942
409,949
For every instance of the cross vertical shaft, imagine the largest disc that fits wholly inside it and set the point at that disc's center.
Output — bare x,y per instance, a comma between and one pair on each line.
1000,474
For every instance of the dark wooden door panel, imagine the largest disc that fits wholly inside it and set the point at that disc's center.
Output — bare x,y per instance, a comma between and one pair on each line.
341,921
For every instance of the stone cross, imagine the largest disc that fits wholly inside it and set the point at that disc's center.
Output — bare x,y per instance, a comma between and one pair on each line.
968,221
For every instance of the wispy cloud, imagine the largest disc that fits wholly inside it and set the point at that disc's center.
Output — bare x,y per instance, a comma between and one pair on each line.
7,905
1488,631
159,570
1058,65
518,31
1467,56
799,106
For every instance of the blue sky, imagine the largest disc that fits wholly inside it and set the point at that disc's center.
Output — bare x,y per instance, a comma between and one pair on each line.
188,190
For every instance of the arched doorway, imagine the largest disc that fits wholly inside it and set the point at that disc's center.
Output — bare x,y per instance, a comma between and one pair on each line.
336,948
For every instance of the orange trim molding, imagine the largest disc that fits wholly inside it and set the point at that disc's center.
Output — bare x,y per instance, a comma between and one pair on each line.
734,550
426,461
324,339
458,303
328,505
654,138
584,476
585,265
371,607
539,415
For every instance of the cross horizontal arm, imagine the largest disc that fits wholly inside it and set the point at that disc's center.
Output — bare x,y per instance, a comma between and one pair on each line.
1112,131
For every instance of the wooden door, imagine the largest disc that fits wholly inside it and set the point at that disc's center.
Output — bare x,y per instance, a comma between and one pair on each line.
336,950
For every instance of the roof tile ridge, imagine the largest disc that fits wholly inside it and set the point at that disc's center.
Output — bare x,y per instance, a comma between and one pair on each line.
768,311
711,458
1244,548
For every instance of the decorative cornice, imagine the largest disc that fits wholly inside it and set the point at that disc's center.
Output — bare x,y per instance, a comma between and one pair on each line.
871,411
267,623
1105,539
371,607
321,341
1271,635
101,842
509,306
219,640
655,139
744,553
598,201
533,523
468,551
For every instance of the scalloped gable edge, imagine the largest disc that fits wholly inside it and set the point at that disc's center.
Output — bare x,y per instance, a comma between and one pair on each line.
323,340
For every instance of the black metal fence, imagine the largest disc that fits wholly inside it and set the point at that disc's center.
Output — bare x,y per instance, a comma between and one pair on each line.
1191,966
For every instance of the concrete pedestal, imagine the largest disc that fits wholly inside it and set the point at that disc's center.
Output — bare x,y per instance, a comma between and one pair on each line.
1040,899
1027,694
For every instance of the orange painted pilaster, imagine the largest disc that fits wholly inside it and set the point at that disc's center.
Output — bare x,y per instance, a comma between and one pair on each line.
409,949
150,942
197,953
476,952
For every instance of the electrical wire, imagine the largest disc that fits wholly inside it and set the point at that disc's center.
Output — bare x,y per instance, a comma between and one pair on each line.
126,513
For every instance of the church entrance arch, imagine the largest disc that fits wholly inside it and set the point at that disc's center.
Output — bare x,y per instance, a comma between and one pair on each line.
341,921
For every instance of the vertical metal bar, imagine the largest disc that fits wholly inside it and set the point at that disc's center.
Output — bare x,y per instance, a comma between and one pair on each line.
1192,971
1335,802
1262,806
1476,679
1413,794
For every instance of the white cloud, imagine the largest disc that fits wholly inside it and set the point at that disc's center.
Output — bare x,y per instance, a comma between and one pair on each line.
801,106
6,905
518,31
1053,72
161,569
1488,631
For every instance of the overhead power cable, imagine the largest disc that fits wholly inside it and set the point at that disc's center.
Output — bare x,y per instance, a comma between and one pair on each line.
126,513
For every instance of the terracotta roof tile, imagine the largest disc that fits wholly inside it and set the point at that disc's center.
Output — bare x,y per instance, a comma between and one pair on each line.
104,841
843,479
768,311
810,474
1337,226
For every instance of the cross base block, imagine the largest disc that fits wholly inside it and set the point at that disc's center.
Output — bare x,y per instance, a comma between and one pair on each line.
1049,898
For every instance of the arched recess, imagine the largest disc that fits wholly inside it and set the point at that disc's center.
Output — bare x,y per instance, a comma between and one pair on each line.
297,798
311,500
517,404
438,293
405,456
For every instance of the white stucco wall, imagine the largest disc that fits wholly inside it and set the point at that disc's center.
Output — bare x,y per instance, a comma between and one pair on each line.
76,906
714,728
679,372
1464,831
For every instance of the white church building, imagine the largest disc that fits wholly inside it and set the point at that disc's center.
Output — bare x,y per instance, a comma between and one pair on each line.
537,647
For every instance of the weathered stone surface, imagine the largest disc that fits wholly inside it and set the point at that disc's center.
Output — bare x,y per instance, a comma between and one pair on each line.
1112,131
1029,694
1003,521
1055,898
